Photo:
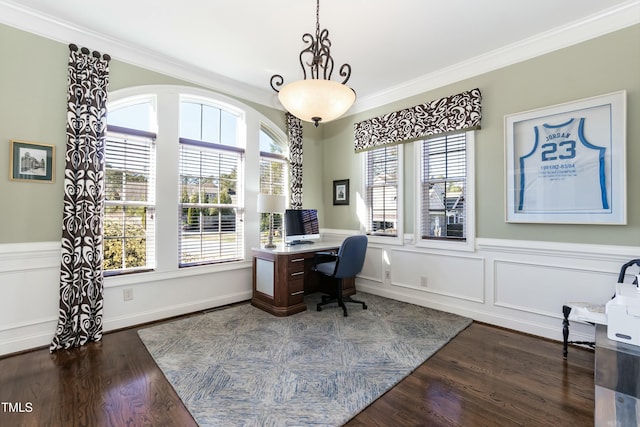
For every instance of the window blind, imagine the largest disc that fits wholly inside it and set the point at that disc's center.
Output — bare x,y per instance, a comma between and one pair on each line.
129,222
274,171
444,170
211,213
382,191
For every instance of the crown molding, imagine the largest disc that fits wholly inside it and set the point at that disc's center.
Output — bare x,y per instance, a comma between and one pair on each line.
36,22
607,21
613,19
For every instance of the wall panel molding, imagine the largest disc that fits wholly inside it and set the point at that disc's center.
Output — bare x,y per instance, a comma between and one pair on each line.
565,250
459,275
535,280
519,285
29,256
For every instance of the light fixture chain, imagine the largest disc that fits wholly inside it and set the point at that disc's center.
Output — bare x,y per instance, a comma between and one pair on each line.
318,55
317,19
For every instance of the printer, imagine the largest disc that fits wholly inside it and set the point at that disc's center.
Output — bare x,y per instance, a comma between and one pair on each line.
623,314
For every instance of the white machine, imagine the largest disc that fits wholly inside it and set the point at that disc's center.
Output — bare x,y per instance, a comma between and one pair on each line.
623,314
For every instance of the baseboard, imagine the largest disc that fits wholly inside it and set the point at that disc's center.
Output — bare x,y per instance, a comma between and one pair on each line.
22,340
175,310
578,332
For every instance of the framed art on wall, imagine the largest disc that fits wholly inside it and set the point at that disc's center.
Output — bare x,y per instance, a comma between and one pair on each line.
341,192
32,161
567,163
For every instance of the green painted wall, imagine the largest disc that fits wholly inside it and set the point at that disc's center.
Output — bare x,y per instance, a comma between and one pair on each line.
33,82
33,90
599,66
32,108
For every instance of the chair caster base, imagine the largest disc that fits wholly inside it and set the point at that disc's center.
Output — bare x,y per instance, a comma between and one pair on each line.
326,299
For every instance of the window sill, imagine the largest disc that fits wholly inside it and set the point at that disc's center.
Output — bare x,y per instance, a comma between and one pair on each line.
385,240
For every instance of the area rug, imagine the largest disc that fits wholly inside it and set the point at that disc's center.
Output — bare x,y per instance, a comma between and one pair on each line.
241,366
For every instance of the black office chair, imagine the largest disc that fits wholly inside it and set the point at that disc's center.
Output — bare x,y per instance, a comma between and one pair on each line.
347,263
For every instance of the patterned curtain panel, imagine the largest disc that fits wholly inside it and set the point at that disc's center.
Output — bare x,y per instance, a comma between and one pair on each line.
81,279
294,130
451,114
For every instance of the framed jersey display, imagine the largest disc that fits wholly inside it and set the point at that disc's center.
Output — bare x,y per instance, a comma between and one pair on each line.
567,163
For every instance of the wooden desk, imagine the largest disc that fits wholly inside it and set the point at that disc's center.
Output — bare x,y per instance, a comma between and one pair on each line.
282,276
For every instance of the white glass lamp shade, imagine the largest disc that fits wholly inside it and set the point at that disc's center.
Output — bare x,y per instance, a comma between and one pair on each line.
314,99
270,203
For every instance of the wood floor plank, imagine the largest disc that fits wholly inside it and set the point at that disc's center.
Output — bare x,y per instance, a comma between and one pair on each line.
486,376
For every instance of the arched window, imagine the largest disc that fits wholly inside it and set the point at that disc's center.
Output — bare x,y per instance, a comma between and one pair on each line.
181,164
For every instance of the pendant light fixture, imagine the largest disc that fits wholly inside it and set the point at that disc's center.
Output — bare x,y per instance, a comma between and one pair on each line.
317,98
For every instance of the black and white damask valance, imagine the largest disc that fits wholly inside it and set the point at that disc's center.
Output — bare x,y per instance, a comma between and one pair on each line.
451,114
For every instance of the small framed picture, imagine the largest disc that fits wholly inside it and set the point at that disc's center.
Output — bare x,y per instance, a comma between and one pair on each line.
32,161
341,192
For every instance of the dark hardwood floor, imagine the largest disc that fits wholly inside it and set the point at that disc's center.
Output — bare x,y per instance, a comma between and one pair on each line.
486,376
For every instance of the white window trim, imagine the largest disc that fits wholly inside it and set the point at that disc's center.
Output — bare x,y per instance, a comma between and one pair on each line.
470,243
362,209
144,97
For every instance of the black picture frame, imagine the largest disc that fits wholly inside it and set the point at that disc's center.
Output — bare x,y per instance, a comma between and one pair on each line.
341,192
32,162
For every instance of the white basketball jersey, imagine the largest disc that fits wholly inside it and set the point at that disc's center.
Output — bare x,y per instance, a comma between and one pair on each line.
563,172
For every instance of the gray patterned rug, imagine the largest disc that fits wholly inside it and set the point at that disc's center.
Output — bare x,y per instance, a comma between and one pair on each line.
241,366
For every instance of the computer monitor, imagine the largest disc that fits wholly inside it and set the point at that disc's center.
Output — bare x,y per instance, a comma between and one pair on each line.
301,226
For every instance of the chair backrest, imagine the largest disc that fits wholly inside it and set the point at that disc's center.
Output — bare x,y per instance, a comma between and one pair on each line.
351,256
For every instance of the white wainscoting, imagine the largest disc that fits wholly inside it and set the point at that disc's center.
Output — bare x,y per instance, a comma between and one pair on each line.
520,285
29,294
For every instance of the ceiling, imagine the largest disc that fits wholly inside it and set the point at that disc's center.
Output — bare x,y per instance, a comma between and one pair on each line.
391,46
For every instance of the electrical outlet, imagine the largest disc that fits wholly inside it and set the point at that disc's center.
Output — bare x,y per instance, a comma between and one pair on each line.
423,281
127,294
387,275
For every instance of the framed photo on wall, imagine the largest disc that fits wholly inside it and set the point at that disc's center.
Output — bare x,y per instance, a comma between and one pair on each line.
567,163
341,192
32,161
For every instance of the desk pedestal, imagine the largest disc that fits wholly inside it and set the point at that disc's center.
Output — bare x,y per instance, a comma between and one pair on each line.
281,278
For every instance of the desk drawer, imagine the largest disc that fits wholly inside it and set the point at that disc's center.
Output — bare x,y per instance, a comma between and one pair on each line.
296,291
295,264
296,275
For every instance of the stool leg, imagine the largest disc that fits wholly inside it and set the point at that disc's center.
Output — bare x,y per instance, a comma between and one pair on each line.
565,330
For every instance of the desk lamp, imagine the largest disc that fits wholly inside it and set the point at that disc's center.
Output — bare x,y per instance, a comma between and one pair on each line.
271,203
